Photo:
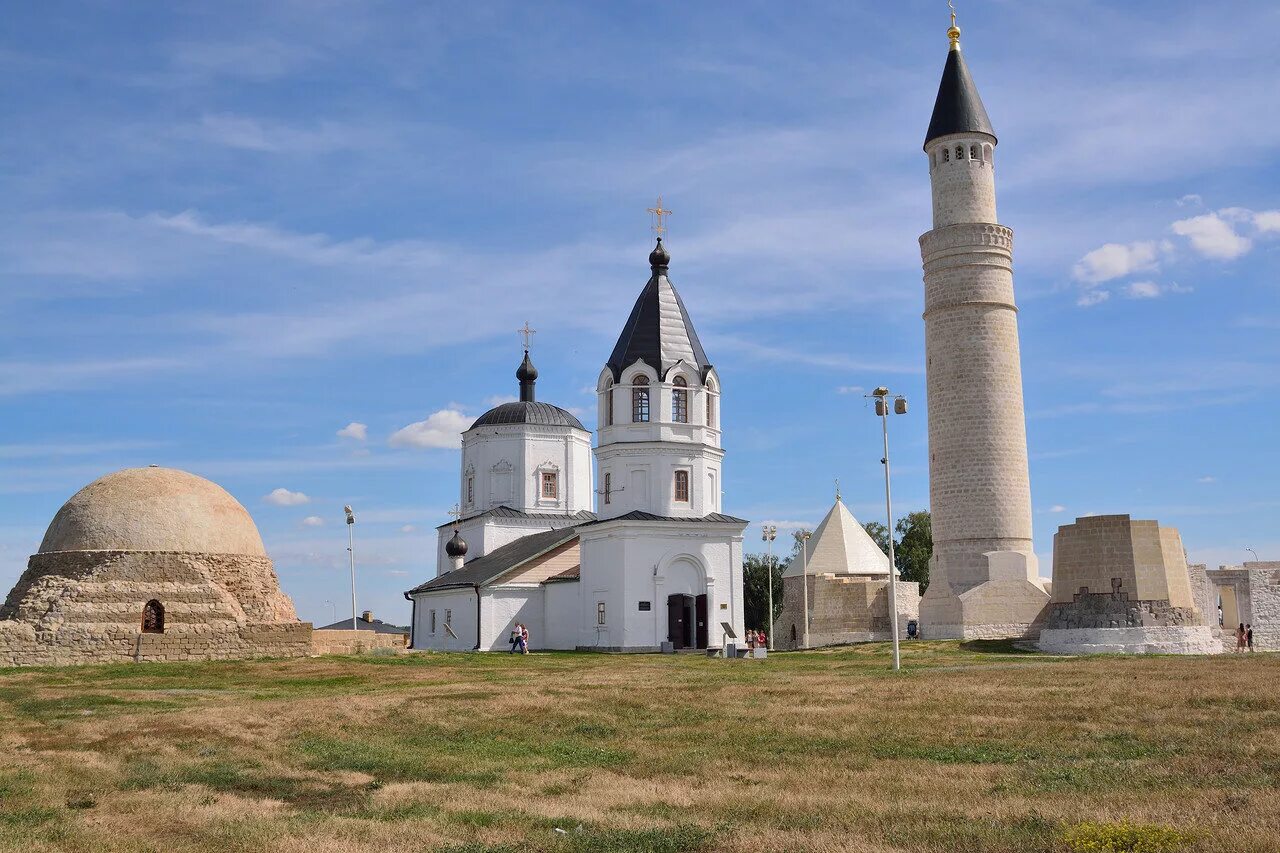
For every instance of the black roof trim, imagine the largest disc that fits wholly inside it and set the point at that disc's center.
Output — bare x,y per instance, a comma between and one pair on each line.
508,512
641,515
377,626
958,108
483,570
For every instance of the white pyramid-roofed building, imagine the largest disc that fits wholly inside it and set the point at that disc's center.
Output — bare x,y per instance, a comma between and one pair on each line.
841,546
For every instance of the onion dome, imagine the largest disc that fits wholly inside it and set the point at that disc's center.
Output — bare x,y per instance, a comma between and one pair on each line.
457,546
528,375
659,257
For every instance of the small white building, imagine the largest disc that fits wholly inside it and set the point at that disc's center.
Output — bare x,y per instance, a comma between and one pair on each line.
657,562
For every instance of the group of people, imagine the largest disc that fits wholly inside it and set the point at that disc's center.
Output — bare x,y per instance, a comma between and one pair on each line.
757,639
1244,637
520,639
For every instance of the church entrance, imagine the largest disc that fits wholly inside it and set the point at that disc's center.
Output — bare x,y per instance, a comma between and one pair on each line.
687,621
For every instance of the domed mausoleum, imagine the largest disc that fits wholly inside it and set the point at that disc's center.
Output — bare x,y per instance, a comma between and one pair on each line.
149,564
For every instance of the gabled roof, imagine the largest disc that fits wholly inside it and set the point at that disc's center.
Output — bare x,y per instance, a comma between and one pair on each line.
659,330
498,562
958,108
508,512
641,515
840,546
377,626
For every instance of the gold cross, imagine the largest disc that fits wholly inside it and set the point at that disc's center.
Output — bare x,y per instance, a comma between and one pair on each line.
659,212
526,333
456,512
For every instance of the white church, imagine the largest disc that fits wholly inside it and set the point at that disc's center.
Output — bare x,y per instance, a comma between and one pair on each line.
634,558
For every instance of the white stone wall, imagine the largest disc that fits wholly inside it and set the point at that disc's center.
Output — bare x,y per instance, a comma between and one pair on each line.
561,614
461,603
1183,640
507,462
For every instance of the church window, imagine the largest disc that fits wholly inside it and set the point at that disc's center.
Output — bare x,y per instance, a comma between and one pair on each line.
153,618
682,486
959,152
550,488
471,488
448,617
640,400
608,404
680,401
600,613
433,621
711,404
608,488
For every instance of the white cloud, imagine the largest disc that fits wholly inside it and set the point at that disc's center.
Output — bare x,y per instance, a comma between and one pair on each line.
499,399
1267,222
354,430
1093,297
1143,290
850,389
408,528
441,429
397,573
1190,199
1213,236
1208,478
1057,508
313,521
1115,260
284,497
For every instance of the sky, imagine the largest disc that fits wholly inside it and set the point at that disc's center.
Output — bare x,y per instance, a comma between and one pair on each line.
287,246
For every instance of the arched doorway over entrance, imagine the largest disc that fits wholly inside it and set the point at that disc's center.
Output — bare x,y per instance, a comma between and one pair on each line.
153,617
687,604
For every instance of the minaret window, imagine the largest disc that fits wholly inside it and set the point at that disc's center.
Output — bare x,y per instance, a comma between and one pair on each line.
680,401
682,486
608,488
973,152
550,486
640,400
959,152
946,154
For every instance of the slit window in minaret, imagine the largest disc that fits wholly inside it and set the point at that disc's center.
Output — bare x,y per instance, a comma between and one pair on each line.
549,486
640,400
682,486
680,401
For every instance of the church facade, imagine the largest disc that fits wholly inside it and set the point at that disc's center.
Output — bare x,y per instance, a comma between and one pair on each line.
643,559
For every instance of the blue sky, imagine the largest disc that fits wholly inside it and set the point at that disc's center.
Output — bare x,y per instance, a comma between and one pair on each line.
230,230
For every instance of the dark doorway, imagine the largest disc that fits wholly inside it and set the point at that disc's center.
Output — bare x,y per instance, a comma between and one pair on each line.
702,622
153,618
680,620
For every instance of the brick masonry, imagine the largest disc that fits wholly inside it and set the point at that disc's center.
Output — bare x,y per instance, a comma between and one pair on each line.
842,609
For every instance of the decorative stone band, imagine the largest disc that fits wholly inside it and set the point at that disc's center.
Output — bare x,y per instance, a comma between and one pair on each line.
966,236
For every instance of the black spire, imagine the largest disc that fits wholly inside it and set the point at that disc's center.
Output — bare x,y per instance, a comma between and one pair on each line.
958,108
457,546
528,375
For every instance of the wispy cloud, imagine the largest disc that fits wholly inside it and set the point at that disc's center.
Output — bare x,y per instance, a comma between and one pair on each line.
355,431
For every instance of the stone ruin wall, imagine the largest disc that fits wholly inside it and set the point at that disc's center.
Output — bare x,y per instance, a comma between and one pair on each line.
77,607
843,609
338,642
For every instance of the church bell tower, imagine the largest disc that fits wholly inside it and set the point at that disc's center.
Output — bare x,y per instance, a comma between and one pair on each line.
984,580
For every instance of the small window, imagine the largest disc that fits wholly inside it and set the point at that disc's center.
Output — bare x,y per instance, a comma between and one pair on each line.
471,488
153,618
600,613
448,617
640,400
550,486
608,405
608,488
433,621
973,152
680,401
682,486
946,155
959,152
711,404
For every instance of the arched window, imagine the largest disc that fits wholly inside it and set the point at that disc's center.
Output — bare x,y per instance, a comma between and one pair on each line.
711,403
640,399
682,486
973,152
153,618
608,404
946,154
608,488
680,400
959,152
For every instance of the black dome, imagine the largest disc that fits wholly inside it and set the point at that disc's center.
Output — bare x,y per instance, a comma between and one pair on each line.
659,257
457,546
525,412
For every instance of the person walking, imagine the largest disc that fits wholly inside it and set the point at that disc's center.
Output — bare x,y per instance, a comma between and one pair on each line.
1248,636
1240,638
515,638
524,639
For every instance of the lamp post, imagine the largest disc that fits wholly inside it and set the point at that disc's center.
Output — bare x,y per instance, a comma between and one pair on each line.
770,532
881,396
1254,553
351,552
802,537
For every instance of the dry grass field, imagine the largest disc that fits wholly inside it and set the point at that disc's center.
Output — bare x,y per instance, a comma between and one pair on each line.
973,748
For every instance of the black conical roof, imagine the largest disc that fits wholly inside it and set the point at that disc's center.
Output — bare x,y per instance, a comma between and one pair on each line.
958,108
659,329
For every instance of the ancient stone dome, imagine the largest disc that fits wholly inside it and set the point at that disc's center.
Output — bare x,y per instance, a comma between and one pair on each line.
153,509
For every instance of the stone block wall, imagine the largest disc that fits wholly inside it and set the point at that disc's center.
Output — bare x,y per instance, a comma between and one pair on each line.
1092,554
1117,610
335,642
843,609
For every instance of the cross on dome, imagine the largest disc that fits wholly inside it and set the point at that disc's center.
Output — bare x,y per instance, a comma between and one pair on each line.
526,334
659,212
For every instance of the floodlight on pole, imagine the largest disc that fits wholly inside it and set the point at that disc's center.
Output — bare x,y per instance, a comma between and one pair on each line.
802,537
881,396
351,553
769,533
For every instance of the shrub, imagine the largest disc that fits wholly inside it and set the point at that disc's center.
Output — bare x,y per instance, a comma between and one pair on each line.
1124,837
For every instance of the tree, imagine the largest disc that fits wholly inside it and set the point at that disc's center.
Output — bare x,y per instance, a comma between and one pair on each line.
879,534
755,591
915,547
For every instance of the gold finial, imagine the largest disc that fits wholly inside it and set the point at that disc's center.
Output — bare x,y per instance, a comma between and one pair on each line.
658,213
526,333
954,32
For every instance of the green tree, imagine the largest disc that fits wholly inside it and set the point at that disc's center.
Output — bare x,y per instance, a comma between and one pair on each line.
914,547
756,571
879,534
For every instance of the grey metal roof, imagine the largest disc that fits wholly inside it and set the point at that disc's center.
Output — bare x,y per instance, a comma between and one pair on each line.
527,412
377,626
508,512
659,329
499,561
958,108
641,515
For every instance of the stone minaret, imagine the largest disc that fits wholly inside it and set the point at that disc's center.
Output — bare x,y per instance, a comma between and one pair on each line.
984,578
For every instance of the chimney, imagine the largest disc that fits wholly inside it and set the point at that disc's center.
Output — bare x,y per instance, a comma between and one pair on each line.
367,616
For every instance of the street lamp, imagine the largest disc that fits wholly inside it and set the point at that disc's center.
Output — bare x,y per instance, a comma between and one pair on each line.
770,532
802,537
1254,553
351,552
881,396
